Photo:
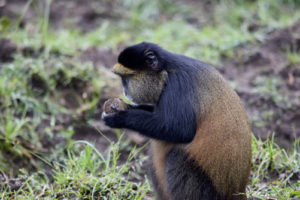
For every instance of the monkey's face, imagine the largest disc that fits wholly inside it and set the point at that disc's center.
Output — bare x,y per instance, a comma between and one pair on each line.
144,87
142,78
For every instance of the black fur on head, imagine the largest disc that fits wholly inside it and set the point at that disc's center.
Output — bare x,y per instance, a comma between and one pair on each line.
142,56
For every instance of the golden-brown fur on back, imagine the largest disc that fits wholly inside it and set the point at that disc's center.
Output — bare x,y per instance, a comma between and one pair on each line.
222,145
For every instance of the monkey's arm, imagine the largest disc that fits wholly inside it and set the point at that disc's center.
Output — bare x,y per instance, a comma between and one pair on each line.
151,125
174,119
145,107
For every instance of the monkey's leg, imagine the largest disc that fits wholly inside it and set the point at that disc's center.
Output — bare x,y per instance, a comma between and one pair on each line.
154,181
186,180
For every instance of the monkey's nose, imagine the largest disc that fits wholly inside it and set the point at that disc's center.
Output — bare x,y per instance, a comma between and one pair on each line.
122,70
117,68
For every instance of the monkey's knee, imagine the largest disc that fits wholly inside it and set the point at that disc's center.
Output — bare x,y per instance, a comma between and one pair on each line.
186,180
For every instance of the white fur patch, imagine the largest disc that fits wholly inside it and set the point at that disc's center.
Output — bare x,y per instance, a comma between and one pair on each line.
103,115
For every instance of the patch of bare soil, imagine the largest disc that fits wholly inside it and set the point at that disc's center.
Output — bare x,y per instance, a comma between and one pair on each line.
100,56
278,109
7,50
85,14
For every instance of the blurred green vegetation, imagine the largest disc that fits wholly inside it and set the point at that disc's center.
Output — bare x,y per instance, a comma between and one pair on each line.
36,85
166,23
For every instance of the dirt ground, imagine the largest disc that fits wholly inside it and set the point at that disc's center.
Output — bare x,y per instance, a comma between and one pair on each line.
267,60
252,62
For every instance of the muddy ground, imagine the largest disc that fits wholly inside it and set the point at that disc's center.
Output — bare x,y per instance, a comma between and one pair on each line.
251,64
267,60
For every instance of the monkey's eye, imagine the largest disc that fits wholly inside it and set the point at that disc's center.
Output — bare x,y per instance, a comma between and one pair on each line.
151,59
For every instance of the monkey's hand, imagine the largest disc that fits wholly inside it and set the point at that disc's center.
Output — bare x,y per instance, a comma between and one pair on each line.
112,112
124,118
115,112
115,120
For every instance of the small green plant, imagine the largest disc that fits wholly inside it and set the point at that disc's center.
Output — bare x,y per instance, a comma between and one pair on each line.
12,140
293,57
4,23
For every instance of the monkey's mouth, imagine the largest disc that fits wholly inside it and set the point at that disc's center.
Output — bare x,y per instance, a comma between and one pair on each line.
129,98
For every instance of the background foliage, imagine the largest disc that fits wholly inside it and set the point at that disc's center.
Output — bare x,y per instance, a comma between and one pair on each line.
55,59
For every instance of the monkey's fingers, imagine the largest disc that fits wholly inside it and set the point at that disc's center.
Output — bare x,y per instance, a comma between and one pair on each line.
114,120
114,107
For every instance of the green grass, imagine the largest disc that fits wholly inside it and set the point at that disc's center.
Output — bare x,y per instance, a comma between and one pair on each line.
29,97
275,171
83,173
33,91
86,173
142,21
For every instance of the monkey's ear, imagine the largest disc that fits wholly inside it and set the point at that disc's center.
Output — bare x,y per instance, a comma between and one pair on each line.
151,60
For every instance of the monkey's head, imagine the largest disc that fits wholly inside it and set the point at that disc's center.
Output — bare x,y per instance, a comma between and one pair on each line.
141,70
